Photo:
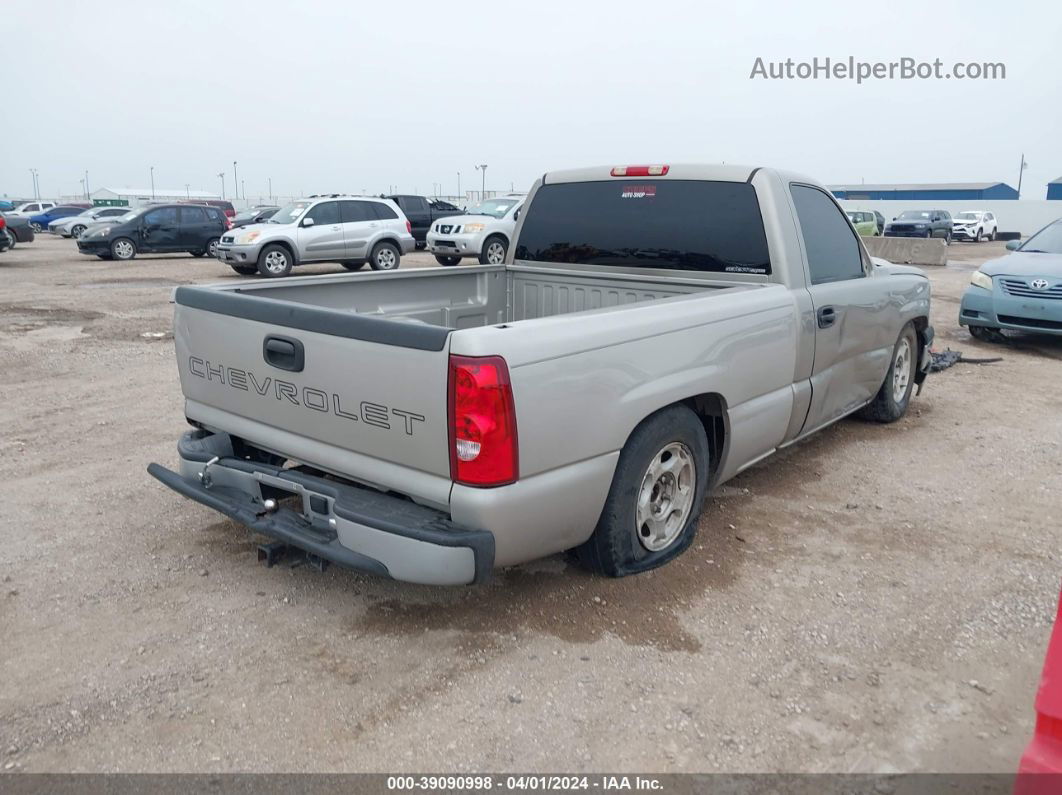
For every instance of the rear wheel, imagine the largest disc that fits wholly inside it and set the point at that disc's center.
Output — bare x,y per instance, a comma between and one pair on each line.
212,248
895,394
385,257
447,261
353,265
123,248
245,270
11,239
650,515
494,248
274,261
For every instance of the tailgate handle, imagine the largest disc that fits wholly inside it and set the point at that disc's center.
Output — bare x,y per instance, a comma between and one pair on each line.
284,353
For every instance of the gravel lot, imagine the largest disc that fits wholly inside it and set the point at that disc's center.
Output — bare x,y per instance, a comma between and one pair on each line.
876,599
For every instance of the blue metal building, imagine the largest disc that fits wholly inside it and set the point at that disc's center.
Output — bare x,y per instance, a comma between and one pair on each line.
1054,189
947,191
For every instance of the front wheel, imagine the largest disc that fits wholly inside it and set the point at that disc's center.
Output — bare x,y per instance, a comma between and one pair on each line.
123,248
893,398
385,257
275,261
446,261
494,248
77,231
37,228
992,236
650,515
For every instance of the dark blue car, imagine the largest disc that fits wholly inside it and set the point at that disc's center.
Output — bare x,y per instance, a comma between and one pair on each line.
40,221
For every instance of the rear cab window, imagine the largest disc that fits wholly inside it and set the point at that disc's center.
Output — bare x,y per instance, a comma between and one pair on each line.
693,225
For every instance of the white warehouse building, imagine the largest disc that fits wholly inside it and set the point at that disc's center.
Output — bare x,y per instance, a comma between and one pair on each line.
135,197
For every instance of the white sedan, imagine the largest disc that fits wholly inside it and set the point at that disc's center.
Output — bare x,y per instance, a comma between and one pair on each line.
74,225
975,225
485,232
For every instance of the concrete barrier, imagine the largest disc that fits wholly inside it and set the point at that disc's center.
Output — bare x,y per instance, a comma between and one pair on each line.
908,250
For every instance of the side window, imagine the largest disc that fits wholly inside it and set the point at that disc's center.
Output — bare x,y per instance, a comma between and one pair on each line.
215,215
193,215
324,213
161,216
113,212
353,212
832,248
32,208
383,211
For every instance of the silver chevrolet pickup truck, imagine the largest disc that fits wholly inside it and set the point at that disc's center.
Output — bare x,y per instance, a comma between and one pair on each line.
654,331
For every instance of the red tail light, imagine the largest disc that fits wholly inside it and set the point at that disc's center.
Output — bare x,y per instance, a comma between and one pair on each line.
228,222
3,222
640,171
483,447
409,227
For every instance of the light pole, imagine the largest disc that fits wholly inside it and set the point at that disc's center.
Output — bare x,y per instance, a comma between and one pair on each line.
187,194
1021,172
483,189
270,190
152,183
36,185
235,180
87,191
221,174
458,183
243,187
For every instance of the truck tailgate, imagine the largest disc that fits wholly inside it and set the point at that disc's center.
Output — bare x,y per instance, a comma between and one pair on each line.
361,397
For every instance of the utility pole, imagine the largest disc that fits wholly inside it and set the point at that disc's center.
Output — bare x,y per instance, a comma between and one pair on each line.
152,183
222,175
270,190
1021,172
36,185
87,191
187,194
458,183
243,187
483,189
235,180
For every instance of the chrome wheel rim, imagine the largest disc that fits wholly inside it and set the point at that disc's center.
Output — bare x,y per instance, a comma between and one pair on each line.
276,262
212,248
385,259
36,227
123,249
665,497
901,370
77,231
495,253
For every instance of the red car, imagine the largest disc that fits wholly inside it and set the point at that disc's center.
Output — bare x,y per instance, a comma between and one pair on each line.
225,206
1044,754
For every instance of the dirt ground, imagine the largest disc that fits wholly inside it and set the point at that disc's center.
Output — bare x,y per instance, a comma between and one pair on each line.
876,599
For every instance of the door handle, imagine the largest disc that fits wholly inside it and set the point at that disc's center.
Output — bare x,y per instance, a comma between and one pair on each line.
826,316
284,353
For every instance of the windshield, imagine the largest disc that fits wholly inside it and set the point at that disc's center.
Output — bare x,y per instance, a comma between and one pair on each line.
495,208
916,215
290,213
968,216
1047,241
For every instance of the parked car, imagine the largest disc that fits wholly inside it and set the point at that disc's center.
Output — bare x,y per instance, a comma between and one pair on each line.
865,223
74,225
157,229
881,222
1021,291
5,241
350,230
920,223
223,205
423,212
485,232
975,225
1040,769
40,221
616,345
255,215
31,208
17,229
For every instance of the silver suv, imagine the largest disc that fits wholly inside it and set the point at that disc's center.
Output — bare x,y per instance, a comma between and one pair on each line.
350,230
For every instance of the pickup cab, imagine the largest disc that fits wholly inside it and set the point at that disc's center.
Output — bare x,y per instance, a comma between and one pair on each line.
422,213
654,331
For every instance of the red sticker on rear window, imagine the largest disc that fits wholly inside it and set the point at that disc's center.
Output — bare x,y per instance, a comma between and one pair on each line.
638,191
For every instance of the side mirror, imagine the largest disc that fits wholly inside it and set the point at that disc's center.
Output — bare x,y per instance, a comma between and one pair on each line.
307,222
1013,245
516,216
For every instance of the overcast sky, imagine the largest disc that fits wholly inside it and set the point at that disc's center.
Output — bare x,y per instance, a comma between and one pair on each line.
345,96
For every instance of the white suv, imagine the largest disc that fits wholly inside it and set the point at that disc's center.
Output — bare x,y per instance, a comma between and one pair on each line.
975,225
31,208
485,231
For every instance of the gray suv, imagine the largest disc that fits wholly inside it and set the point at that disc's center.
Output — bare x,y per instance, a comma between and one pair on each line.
350,230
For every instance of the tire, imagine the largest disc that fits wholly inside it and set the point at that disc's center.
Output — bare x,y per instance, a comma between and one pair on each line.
12,241
351,265
992,237
245,270
447,261
987,334
123,249
979,235
275,261
619,545
385,256
77,231
894,396
494,250
211,249
37,228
